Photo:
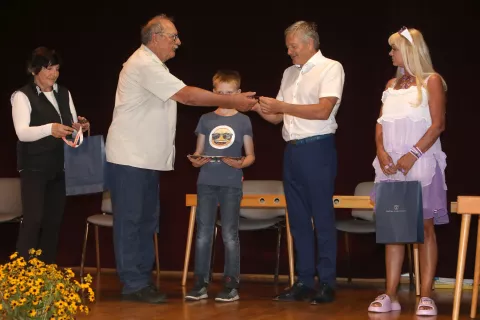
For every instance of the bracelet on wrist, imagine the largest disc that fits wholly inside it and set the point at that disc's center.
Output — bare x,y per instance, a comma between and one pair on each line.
416,152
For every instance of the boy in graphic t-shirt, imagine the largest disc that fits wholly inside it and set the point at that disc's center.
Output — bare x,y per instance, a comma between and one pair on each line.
221,134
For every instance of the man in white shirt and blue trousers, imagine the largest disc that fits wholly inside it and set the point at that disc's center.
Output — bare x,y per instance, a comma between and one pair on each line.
307,102
140,143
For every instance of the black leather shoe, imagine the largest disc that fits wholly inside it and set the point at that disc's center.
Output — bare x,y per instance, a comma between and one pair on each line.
148,294
298,292
324,295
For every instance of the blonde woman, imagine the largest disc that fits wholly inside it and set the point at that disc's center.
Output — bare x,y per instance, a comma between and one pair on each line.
408,148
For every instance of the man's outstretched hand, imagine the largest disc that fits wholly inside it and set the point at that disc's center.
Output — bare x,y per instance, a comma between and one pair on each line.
244,101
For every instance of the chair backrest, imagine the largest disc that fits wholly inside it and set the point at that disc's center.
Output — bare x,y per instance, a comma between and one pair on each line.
468,204
10,199
262,187
106,202
363,189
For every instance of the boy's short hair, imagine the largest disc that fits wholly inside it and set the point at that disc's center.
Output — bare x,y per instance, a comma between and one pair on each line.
228,76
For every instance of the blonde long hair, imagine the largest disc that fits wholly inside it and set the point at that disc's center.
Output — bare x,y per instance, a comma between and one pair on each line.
416,59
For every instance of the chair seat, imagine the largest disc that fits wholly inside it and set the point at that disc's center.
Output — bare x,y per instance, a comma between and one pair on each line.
356,226
104,220
249,224
9,216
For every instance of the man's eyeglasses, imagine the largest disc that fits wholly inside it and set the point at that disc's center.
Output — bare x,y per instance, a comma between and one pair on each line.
171,35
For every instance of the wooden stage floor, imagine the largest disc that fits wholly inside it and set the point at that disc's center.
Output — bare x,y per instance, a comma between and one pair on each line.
256,303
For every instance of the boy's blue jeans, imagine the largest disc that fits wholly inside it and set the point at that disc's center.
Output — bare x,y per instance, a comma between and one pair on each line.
209,197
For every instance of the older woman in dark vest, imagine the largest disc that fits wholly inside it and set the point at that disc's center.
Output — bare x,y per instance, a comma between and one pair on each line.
43,113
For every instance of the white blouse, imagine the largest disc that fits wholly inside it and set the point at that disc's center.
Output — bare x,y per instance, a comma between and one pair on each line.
21,110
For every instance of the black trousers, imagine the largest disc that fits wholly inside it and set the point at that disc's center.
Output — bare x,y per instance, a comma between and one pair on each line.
43,202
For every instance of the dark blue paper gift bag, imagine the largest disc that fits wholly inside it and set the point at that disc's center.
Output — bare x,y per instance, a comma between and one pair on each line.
85,167
399,212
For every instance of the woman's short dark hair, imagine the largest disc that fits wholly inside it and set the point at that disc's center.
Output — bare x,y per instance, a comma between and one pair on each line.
42,57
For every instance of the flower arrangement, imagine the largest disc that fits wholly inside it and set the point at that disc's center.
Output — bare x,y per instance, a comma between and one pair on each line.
35,290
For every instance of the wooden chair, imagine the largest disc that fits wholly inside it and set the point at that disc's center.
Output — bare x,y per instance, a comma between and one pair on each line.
363,222
466,206
270,204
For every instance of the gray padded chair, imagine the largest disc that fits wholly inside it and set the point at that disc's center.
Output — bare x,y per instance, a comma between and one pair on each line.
10,200
258,218
363,222
105,219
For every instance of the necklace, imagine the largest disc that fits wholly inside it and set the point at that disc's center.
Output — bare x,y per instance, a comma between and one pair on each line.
406,81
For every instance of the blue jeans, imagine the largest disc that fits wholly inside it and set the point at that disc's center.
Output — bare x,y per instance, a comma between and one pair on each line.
208,199
309,182
135,206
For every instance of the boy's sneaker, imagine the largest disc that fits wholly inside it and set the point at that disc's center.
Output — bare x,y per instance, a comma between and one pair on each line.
229,292
198,292
227,295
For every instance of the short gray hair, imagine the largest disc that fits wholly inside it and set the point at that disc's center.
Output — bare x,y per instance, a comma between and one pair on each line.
153,26
308,29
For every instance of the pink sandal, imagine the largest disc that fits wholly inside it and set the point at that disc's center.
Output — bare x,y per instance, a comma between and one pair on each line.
429,304
386,305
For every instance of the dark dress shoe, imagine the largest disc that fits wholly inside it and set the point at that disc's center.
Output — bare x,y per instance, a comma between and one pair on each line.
324,295
298,292
148,294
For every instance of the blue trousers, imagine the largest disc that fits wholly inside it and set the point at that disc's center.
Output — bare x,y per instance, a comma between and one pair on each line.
309,172
229,198
135,205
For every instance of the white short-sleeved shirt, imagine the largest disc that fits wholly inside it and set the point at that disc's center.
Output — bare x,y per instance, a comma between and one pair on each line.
318,78
142,133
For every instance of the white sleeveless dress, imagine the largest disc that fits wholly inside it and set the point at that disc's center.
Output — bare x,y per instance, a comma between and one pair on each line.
404,124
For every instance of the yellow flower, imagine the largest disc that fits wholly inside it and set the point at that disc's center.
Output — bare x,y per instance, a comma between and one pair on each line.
84,286
60,304
70,273
34,290
88,278
38,252
31,251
